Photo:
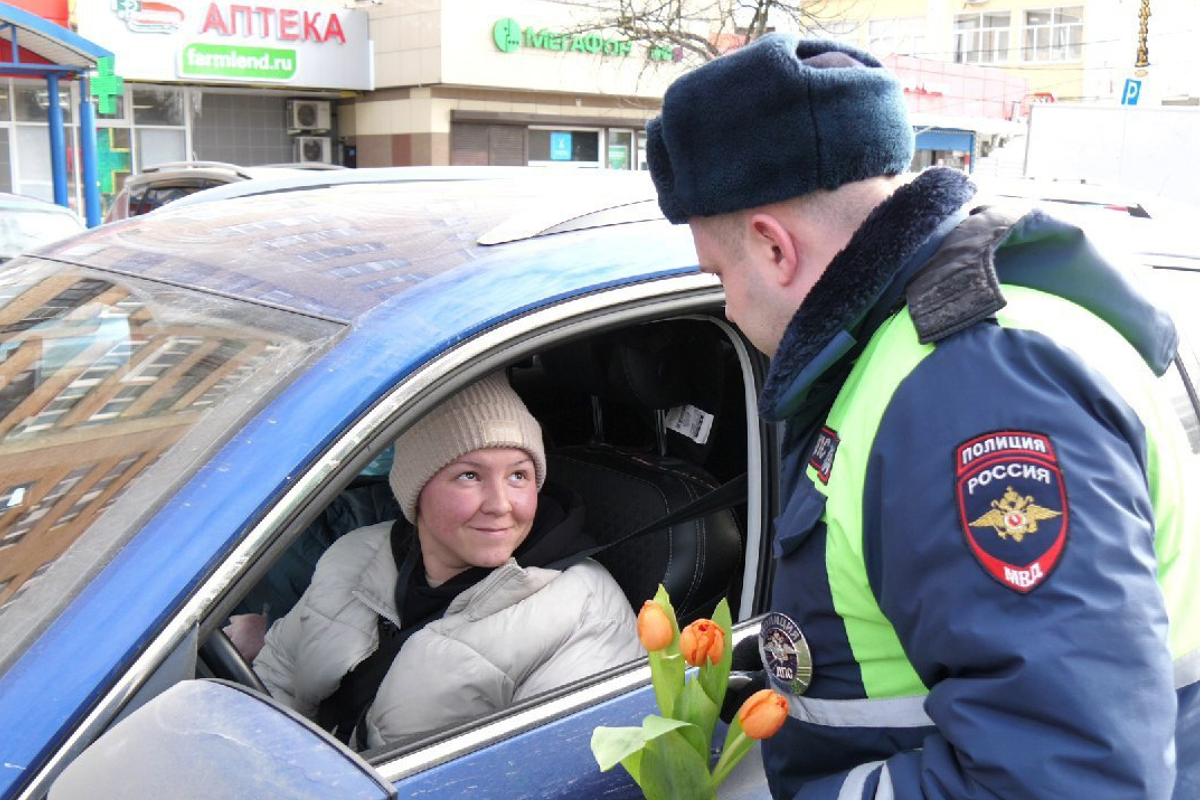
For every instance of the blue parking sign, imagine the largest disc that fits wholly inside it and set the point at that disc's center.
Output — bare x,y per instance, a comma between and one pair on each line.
560,146
1132,90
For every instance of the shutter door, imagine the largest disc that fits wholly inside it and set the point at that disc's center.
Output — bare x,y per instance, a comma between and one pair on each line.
506,146
476,144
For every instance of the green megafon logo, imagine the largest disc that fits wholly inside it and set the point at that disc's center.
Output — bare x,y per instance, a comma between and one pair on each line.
507,35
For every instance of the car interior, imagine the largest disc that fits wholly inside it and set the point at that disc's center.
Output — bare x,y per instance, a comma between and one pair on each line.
647,422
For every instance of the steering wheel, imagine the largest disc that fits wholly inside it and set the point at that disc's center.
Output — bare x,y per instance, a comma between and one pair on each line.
219,655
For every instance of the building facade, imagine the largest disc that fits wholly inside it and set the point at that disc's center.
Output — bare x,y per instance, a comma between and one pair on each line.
536,82
543,82
1073,51
206,80
503,82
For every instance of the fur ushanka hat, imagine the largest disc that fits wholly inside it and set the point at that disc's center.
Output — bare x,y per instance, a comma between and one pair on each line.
777,119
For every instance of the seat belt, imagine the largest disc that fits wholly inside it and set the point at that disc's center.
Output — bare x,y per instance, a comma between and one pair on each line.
727,495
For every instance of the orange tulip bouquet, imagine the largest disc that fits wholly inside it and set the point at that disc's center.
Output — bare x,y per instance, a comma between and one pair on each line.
670,755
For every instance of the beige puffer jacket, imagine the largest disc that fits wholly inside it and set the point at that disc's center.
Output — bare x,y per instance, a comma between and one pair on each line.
516,633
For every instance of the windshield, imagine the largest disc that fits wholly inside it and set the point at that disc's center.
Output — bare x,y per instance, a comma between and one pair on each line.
23,229
111,390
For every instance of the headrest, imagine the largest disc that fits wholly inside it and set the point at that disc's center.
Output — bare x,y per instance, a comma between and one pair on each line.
648,366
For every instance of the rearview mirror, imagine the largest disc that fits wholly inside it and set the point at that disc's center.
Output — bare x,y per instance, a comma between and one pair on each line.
205,739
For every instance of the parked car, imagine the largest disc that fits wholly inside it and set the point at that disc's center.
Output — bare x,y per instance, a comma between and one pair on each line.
1150,232
27,223
157,185
188,392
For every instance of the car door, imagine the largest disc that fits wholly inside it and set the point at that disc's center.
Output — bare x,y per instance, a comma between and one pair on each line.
539,748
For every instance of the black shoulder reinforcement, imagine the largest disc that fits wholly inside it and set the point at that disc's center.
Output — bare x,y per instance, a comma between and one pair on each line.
959,287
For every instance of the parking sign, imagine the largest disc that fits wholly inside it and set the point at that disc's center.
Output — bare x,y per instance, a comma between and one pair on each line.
1132,90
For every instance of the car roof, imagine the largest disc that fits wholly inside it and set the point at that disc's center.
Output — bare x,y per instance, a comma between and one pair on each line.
351,241
270,179
1156,230
21,201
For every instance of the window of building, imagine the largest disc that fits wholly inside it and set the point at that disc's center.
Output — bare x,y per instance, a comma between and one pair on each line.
568,147
981,38
1054,34
902,36
160,114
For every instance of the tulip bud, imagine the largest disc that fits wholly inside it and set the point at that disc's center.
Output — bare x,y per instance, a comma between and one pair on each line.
654,627
763,714
702,641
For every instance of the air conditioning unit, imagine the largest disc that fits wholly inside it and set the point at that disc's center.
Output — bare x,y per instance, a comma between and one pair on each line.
314,149
309,115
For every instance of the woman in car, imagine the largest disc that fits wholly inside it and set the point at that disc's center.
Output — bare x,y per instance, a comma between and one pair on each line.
458,609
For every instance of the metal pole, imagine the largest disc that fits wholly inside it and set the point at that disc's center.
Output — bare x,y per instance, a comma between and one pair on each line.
58,149
87,147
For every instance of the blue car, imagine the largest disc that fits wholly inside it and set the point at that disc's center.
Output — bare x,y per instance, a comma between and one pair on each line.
192,399
194,403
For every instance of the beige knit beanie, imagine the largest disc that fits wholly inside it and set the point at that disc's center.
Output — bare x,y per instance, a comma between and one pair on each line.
487,413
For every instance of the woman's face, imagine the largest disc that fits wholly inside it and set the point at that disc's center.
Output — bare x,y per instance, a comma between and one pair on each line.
476,511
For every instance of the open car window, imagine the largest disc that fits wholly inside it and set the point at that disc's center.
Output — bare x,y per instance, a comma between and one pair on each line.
639,419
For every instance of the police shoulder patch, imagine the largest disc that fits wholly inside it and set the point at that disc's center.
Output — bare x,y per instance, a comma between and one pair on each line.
823,451
1012,506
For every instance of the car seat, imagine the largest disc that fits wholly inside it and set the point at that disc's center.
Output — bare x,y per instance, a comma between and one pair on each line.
633,379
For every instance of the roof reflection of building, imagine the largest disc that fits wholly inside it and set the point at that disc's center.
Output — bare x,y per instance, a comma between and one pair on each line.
84,411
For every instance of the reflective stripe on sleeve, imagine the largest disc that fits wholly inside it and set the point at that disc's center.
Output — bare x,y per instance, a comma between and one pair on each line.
1187,669
889,712
884,790
856,779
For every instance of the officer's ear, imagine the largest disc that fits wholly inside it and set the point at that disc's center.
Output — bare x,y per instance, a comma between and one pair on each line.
772,244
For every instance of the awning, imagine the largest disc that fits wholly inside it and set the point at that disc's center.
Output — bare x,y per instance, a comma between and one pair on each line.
30,45
53,44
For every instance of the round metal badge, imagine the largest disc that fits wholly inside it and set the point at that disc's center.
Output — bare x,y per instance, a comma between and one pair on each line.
784,652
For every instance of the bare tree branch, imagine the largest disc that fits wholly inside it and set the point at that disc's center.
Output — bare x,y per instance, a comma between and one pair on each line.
700,30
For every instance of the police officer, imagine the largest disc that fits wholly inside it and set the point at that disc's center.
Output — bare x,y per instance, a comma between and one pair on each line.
984,539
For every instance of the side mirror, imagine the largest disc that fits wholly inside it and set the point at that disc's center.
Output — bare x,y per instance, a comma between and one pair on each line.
206,739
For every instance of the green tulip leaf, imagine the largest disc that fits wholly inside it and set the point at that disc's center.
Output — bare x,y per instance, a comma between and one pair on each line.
611,746
695,706
671,769
667,666
715,677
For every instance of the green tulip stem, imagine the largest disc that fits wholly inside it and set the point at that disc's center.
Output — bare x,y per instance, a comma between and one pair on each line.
737,744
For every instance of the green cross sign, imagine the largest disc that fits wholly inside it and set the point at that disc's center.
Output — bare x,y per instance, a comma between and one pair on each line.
111,161
107,86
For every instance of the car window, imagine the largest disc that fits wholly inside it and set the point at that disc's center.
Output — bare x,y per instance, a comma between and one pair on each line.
634,450
109,392
150,197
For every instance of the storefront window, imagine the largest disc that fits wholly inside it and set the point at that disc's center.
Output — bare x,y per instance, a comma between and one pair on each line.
620,149
160,145
33,101
5,162
118,114
159,106
5,106
114,155
573,148
33,175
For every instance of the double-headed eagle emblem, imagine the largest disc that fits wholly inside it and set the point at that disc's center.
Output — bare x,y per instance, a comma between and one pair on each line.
1014,515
